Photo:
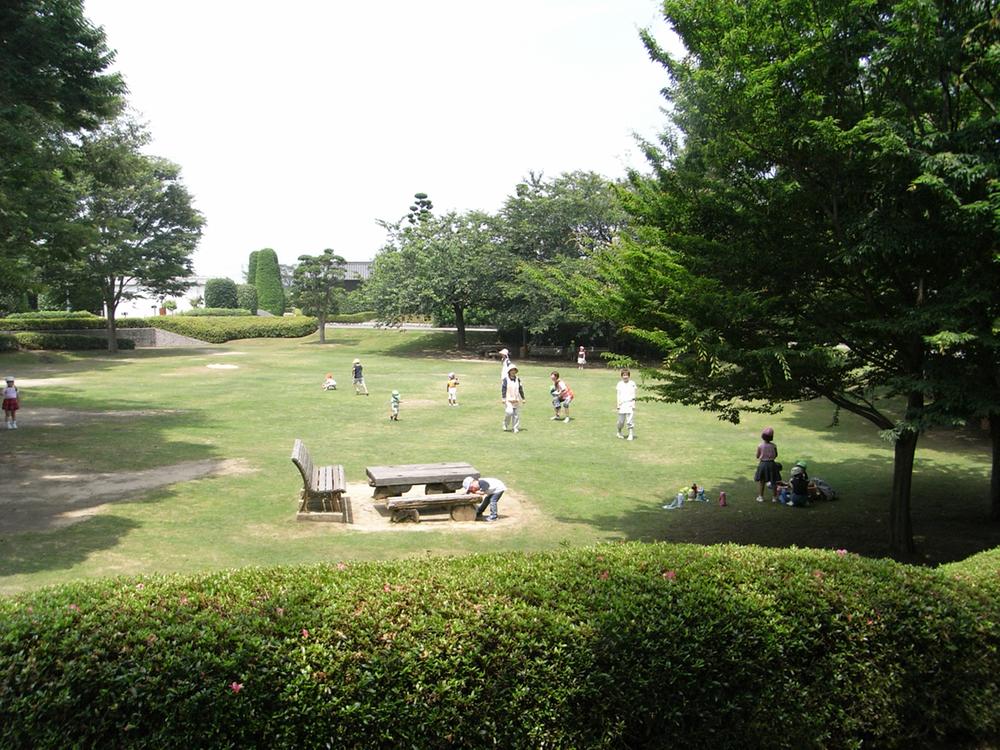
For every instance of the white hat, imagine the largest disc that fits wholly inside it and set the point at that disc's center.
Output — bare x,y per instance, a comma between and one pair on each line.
467,482
357,361
504,352
451,374
9,378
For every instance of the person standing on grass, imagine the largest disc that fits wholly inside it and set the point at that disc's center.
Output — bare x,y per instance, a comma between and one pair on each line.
452,389
491,489
512,397
768,470
394,407
10,403
581,357
359,379
626,391
562,397
504,363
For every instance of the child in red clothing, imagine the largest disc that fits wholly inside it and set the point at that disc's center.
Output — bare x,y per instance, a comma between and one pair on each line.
768,469
10,403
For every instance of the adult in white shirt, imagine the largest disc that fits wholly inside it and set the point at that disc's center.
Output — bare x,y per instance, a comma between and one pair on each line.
491,489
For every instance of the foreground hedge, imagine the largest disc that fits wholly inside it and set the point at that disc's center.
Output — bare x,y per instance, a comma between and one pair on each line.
620,646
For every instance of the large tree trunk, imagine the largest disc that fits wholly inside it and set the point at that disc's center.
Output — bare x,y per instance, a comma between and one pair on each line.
995,467
322,328
112,331
460,324
900,525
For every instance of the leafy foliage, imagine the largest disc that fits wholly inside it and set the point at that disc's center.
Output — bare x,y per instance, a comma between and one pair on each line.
221,293
219,329
201,312
315,286
66,341
616,646
246,297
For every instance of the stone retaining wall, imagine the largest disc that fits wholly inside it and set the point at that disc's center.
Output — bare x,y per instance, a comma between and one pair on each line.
143,337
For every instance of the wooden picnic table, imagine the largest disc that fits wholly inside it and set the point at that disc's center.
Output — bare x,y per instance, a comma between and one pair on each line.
390,481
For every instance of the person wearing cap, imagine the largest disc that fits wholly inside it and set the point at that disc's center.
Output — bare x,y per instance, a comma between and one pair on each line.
768,468
799,482
491,489
504,363
452,389
512,397
359,379
10,403
394,407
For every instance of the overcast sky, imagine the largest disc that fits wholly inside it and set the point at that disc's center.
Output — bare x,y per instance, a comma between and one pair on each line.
298,124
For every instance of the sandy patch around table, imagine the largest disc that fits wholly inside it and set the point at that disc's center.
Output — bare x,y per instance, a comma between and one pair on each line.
214,366
44,494
41,382
514,511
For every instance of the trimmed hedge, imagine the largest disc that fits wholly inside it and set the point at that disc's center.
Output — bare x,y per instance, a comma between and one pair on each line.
66,341
220,293
246,297
208,312
8,343
360,317
37,314
46,323
218,330
629,645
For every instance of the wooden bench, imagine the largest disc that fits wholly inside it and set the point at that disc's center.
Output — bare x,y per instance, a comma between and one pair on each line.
462,507
323,488
389,481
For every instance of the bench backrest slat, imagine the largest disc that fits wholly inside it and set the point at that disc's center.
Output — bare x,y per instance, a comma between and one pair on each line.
302,460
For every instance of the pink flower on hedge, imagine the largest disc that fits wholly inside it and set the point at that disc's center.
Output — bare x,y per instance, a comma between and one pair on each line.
386,588
341,566
604,575
841,552
236,686
305,633
74,608
280,611
670,574
184,601
140,586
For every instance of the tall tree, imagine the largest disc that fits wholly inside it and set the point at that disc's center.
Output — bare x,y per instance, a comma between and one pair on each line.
53,87
315,286
267,279
830,209
441,266
136,224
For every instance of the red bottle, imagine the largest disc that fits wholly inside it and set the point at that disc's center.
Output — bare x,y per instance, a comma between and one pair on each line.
722,500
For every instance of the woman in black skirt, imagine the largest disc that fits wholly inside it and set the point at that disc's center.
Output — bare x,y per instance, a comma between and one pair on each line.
768,469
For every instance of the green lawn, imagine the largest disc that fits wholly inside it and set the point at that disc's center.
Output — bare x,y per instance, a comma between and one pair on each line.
580,483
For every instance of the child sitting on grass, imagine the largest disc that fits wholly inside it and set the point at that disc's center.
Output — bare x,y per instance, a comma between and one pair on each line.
329,384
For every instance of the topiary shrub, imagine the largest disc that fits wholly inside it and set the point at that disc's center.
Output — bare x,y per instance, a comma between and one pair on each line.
270,293
66,341
252,269
617,646
220,293
246,297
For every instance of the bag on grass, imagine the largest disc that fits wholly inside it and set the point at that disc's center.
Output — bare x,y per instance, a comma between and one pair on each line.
825,489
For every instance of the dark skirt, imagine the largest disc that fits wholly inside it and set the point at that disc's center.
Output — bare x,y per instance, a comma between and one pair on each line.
767,471
10,404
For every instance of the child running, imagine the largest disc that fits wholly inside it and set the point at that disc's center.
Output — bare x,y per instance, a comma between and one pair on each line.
562,397
394,407
359,379
10,403
626,392
452,389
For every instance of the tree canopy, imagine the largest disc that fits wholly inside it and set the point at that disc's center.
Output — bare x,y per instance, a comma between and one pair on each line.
315,283
823,210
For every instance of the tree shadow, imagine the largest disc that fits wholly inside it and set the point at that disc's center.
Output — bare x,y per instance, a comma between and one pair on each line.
949,512
33,553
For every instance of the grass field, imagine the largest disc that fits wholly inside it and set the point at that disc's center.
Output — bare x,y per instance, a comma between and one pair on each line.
580,484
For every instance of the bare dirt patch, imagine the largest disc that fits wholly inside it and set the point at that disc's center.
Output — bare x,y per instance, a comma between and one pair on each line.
48,417
40,382
214,366
40,494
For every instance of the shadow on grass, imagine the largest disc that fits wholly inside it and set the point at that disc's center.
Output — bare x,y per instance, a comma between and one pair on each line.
434,344
949,513
37,552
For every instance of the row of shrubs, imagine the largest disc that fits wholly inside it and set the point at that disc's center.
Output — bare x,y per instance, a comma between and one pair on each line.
60,341
623,646
214,329
213,312
359,317
36,314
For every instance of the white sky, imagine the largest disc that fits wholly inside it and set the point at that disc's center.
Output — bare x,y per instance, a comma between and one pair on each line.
298,124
